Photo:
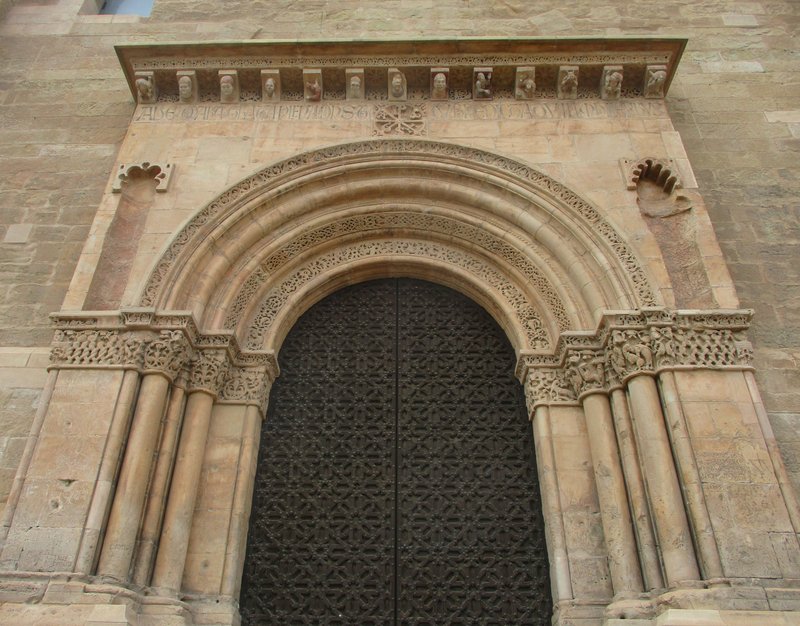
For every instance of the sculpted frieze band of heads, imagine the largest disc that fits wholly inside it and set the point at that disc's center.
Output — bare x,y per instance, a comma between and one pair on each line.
416,76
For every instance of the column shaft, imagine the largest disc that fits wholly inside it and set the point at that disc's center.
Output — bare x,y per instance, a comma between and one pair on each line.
648,547
623,558
174,544
154,511
126,511
242,502
101,499
661,479
560,577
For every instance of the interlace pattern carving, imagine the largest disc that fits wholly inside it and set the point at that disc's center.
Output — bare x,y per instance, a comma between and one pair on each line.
208,217
275,300
423,222
396,483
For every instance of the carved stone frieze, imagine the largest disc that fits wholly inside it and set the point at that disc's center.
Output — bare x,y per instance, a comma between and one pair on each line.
169,343
634,343
643,60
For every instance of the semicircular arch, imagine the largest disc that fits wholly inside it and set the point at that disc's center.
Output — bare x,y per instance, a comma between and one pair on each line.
547,256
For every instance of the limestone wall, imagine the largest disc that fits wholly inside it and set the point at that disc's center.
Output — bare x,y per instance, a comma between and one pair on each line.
65,108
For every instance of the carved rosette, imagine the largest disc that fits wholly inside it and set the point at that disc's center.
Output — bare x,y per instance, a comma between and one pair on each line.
208,370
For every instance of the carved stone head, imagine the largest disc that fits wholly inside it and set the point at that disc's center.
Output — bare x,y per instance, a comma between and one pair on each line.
185,89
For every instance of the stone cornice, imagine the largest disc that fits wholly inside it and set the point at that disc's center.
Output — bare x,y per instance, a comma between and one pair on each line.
510,60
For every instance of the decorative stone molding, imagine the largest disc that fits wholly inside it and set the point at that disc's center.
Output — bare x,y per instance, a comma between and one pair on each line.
277,298
641,60
168,343
159,172
386,221
633,343
205,220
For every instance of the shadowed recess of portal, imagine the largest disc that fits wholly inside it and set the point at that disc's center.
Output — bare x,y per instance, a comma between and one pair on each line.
396,481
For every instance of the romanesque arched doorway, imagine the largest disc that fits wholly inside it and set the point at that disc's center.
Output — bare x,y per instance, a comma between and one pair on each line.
396,481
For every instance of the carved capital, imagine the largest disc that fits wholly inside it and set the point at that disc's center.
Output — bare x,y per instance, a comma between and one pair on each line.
247,385
586,370
547,386
208,370
629,352
168,353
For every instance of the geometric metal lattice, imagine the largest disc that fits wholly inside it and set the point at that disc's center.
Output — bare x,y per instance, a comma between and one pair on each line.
396,482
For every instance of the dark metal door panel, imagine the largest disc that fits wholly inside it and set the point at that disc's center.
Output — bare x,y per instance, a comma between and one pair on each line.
396,480
321,537
471,549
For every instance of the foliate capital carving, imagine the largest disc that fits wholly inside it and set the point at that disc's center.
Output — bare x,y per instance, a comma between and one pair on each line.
208,370
247,385
629,352
168,353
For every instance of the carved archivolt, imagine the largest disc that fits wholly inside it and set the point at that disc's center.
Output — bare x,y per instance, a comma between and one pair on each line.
176,262
510,296
627,345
